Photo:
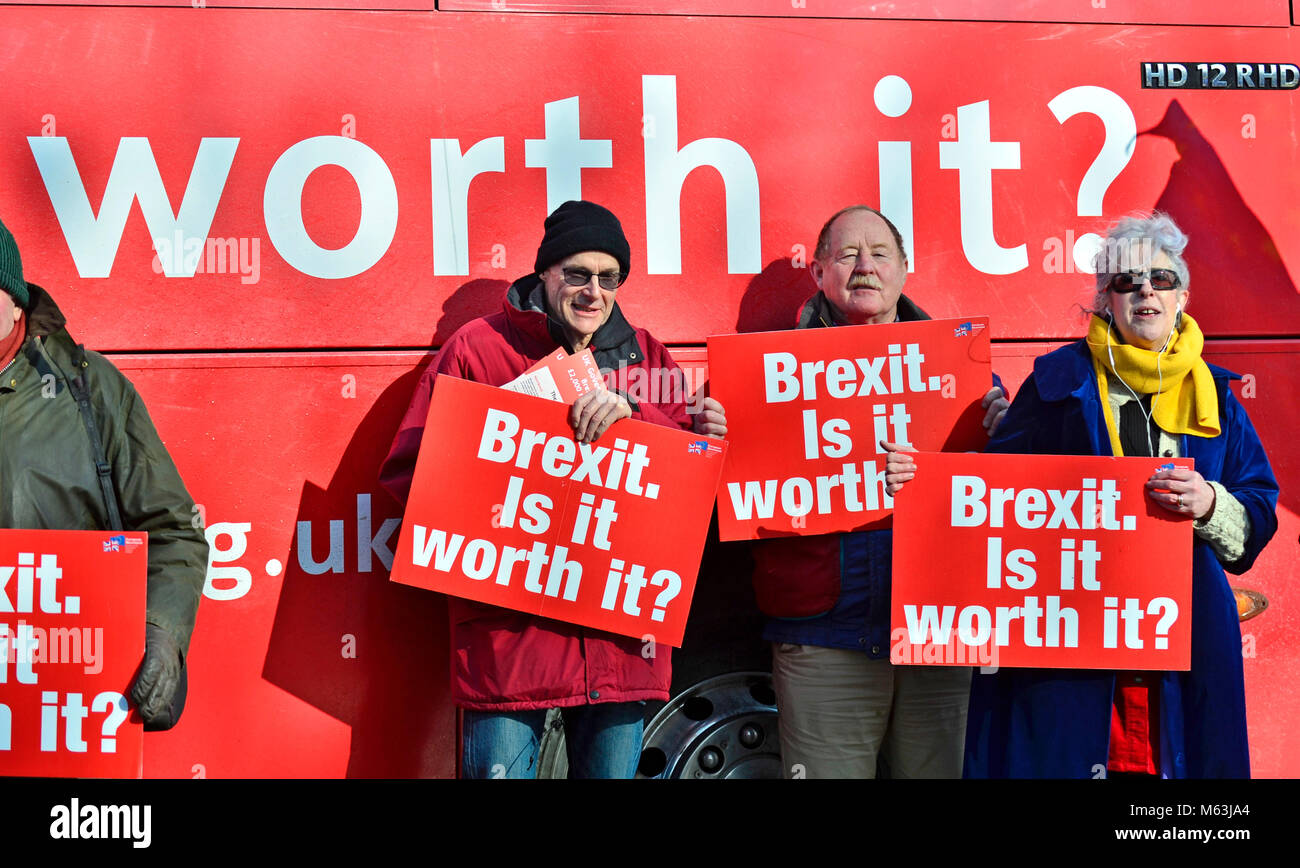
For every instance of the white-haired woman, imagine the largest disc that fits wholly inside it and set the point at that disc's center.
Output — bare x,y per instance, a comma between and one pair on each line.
1136,385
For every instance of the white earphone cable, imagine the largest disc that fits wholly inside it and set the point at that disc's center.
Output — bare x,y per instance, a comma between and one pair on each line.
1111,352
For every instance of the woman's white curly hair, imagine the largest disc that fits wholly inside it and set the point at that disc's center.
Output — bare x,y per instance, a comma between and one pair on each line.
1133,242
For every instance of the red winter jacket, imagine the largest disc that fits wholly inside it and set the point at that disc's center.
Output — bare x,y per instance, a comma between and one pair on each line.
504,660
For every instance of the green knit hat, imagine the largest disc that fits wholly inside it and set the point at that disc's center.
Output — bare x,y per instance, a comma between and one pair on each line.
11,268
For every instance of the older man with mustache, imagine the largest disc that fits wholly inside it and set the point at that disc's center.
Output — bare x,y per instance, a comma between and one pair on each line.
843,705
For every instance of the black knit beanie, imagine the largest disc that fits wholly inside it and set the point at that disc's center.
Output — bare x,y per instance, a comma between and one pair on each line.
576,227
11,268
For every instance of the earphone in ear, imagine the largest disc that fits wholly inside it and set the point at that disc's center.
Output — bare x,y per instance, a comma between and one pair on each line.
1178,317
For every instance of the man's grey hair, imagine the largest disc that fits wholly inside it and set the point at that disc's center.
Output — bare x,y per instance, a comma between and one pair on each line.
1131,243
823,249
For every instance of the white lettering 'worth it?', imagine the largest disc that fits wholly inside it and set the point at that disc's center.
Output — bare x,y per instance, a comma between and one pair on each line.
93,239
562,153
1051,625
798,495
479,559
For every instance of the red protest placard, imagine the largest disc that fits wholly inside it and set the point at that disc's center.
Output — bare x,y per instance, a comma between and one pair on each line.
1040,560
807,409
507,509
72,608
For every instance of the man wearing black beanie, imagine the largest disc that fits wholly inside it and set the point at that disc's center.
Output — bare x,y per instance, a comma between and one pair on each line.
511,667
49,482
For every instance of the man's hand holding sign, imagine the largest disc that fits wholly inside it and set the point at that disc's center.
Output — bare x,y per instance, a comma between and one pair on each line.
899,466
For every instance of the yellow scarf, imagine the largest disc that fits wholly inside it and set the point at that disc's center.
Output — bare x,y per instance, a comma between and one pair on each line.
1186,403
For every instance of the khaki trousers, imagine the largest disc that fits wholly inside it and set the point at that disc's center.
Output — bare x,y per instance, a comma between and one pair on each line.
841,711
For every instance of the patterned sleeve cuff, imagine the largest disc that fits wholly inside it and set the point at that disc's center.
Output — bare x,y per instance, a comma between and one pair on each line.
1227,527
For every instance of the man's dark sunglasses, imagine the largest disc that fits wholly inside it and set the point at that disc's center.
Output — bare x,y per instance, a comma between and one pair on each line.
582,277
1161,279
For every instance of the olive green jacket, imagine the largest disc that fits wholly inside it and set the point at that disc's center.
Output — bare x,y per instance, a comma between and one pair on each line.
47,468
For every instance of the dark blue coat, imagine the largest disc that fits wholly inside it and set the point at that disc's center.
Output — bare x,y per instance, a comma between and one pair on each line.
1055,723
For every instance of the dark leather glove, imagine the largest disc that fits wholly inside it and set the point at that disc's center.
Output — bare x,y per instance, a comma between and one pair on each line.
159,690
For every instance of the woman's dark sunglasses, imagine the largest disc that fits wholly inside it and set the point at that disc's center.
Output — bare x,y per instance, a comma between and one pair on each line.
582,277
1161,279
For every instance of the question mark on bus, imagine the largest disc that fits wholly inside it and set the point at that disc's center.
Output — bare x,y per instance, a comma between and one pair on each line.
1115,153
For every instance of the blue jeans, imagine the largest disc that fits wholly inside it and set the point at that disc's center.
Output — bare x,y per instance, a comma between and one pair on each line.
602,741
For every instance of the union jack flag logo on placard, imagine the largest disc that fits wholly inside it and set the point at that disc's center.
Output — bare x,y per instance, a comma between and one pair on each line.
967,329
701,447
122,543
